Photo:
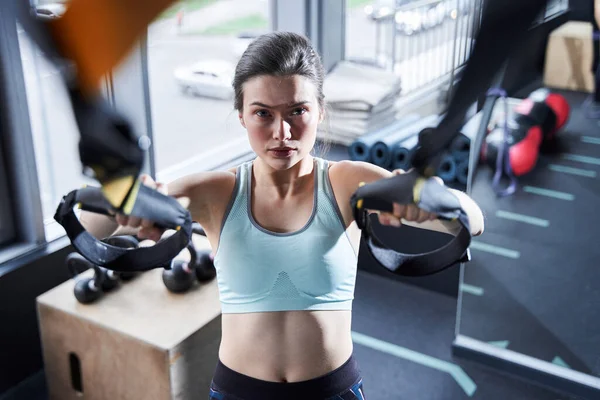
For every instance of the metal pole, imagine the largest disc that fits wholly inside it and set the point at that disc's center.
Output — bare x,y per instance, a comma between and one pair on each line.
453,66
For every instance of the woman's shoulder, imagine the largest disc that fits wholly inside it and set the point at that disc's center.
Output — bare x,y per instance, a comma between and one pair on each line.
351,173
206,186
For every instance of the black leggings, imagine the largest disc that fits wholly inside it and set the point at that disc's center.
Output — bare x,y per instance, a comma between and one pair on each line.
344,383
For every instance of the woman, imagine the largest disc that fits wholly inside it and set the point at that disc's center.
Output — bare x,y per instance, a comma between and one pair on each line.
282,231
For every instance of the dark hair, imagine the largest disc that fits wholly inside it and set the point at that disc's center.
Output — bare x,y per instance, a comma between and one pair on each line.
278,54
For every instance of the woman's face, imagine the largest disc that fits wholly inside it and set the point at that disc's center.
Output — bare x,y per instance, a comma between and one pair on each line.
281,115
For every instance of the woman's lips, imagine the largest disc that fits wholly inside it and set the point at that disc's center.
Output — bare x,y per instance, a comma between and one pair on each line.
282,152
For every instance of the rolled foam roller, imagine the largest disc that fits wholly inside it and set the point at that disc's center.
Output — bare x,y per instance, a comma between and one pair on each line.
462,171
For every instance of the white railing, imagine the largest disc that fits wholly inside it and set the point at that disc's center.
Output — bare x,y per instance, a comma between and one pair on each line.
425,40
428,41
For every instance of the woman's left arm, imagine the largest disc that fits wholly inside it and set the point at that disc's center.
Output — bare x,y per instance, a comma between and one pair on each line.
356,172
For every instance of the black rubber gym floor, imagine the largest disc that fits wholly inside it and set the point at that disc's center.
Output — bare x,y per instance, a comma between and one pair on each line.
534,275
416,362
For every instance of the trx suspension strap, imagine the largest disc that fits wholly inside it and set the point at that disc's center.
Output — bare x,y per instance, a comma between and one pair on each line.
504,26
89,40
165,211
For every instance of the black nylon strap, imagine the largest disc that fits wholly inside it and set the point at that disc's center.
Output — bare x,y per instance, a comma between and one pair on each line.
165,211
432,197
169,213
420,264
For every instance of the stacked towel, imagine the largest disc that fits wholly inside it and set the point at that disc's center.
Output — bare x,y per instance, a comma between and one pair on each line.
361,99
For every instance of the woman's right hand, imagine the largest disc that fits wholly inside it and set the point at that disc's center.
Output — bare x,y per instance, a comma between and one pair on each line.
147,229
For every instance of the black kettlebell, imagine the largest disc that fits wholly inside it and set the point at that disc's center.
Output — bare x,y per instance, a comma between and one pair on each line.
205,268
203,261
90,289
179,276
87,290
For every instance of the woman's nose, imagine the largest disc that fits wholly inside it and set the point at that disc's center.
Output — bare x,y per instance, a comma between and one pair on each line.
283,131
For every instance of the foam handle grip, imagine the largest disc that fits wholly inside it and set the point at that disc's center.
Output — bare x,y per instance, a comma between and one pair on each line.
165,211
91,199
431,195
381,194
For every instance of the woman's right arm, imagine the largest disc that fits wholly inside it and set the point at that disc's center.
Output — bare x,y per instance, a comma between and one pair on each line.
197,192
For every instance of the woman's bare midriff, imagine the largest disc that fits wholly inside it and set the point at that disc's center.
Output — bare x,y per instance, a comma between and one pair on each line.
286,346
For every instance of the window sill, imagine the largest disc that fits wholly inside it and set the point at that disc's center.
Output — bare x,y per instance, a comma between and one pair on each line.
18,255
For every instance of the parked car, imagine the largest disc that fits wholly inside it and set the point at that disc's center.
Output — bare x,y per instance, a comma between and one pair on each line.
209,78
50,10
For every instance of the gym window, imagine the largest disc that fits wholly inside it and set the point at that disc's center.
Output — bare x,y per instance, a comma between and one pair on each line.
192,52
54,132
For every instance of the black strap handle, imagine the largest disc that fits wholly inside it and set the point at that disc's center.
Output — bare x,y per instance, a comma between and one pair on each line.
429,195
150,204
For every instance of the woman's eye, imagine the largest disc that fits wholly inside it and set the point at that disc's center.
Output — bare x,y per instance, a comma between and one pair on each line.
262,113
299,111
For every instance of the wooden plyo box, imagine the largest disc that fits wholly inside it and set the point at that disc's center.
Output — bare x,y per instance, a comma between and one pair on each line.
137,342
569,57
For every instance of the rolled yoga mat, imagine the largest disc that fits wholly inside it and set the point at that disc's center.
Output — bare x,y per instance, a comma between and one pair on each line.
382,152
360,149
462,171
404,151
461,145
447,168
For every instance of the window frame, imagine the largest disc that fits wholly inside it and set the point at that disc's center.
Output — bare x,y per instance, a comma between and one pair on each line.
7,226
21,175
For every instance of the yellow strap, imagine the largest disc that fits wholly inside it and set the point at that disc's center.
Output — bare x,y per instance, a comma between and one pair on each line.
417,189
130,201
116,192
359,203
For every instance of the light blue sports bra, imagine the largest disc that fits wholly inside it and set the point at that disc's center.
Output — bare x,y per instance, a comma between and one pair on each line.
313,268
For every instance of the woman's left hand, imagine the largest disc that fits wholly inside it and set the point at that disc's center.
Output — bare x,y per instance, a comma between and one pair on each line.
410,212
